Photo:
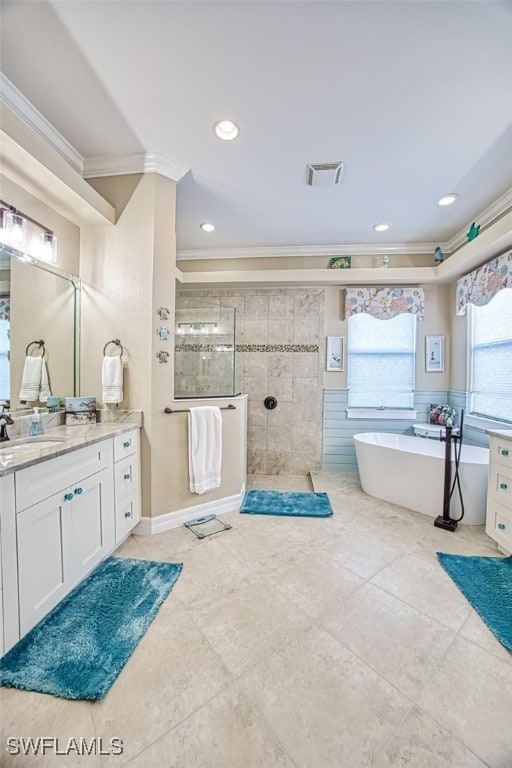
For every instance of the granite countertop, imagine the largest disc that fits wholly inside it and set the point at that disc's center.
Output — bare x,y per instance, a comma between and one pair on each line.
507,433
73,438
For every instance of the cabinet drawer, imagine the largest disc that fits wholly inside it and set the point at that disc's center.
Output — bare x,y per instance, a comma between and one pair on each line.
501,451
499,524
500,484
126,476
127,514
46,478
126,444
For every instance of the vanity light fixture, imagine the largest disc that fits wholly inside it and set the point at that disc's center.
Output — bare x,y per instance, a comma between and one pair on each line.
226,129
26,235
207,227
381,227
48,247
16,227
447,199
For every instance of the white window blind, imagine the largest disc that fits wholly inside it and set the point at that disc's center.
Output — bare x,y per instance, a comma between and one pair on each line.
381,361
491,357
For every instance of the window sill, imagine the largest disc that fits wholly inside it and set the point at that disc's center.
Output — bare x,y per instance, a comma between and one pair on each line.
396,414
480,422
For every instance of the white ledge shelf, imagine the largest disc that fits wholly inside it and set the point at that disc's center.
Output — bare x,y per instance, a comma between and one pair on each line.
293,276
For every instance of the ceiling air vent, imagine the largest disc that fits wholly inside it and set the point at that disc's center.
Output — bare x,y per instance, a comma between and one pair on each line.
324,174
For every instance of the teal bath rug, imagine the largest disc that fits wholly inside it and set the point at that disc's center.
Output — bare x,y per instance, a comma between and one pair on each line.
288,503
487,583
78,650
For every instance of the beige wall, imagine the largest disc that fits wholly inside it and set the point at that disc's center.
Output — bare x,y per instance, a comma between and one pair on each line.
300,262
129,273
458,332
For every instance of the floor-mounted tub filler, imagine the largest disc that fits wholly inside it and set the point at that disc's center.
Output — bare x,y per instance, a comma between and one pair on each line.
409,471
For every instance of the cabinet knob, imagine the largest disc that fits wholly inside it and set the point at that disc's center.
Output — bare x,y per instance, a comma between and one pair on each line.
78,491
127,515
68,496
127,477
503,486
127,443
504,451
501,526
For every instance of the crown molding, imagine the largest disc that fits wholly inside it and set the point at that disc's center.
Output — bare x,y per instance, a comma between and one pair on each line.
96,167
11,97
279,251
92,167
486,218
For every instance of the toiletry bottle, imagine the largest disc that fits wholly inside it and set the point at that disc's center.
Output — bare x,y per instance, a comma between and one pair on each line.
36,426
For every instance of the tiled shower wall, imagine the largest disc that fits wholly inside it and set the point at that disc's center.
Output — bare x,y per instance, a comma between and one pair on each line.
281,351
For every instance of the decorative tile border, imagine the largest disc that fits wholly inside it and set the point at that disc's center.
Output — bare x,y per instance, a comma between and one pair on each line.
277,347
203,348
247,348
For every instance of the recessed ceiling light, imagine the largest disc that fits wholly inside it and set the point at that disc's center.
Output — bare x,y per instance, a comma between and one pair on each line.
380,227
447,199
226,130
207,227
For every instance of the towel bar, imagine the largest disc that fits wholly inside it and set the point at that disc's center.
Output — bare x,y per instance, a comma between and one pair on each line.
117,343
39,343
187,410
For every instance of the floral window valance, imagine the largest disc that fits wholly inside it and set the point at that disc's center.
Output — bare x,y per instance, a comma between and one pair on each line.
481,285
385,303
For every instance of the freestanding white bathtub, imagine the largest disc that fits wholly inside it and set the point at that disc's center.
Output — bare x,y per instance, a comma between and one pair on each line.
409,471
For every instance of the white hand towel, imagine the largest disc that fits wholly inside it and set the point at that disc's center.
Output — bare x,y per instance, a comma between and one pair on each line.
204,448
44,389
34,380
112,379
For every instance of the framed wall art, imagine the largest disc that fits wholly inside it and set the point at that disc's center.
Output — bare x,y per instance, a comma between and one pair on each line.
434,353
334,353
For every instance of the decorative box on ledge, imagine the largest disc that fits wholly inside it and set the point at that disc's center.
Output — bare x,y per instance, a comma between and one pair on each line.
80,410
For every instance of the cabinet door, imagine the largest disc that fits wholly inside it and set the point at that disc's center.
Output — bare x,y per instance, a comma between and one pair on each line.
42,578
90,524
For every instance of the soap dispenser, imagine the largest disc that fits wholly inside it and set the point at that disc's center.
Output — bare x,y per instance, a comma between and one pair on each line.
36,426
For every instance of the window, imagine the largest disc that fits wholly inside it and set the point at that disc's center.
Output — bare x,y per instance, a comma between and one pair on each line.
491,357
381,361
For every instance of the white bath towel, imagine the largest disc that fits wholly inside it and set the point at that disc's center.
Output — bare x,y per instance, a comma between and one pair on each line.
204,448
34,380
112,379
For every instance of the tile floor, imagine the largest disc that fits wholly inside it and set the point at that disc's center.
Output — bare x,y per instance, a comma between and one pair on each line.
299,643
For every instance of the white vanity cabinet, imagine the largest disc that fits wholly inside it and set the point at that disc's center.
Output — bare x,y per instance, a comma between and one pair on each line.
499,502
8,575
59,518
66,530
126,482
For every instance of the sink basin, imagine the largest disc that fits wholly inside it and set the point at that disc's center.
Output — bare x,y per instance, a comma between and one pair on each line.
29,445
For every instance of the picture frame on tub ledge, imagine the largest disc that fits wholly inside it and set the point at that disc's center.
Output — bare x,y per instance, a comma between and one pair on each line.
334,357
434,354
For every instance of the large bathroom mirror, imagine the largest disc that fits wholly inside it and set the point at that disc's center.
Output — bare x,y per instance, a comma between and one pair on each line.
38,302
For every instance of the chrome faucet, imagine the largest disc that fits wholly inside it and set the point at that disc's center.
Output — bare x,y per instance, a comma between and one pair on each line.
5,419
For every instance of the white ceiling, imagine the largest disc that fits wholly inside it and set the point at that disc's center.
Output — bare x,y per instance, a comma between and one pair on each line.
414,97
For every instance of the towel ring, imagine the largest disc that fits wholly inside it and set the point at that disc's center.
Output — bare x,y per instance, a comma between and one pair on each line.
39,344
117,343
